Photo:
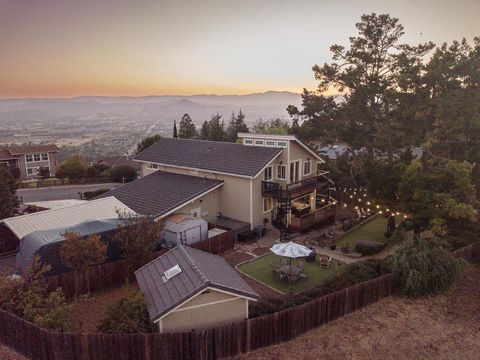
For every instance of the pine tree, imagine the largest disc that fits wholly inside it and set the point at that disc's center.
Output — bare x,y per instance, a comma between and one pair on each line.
187,129
204,130
216,131
175,134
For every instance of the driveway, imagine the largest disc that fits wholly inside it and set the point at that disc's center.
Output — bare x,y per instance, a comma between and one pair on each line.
60,192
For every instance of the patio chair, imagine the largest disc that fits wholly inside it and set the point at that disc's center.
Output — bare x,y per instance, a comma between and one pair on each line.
276,273
301,266
284,261
325,260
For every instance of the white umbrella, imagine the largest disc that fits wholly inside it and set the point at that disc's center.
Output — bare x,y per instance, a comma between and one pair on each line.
291,250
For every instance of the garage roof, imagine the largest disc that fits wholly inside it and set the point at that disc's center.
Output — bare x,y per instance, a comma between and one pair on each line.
199,270
100,209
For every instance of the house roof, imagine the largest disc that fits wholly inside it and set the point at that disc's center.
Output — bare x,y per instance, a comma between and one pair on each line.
215,156
67,216
19,150
5,154
161,192
120,160
199,270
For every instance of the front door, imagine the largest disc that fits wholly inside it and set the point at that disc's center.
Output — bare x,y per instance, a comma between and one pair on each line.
294,171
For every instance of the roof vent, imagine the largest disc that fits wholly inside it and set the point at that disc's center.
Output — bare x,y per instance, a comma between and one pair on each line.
170,273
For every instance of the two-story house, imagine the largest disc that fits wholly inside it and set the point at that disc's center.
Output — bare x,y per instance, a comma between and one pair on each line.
25,161
267,180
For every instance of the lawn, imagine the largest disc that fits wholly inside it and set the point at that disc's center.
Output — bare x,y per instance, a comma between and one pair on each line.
261,269
373,230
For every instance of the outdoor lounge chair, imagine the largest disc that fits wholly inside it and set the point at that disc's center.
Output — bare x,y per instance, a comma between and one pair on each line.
325,260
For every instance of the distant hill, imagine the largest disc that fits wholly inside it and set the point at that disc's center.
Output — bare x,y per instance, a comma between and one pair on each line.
164,108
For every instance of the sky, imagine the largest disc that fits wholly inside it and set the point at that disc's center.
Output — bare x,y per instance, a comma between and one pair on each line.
65,48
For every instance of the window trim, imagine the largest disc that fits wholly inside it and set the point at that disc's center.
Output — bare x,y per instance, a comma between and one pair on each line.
283,166
247,141
309,162
272,143
27,156
259,142
282,142
153,166
265,173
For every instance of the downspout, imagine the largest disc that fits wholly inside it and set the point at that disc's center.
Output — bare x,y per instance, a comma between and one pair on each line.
251,204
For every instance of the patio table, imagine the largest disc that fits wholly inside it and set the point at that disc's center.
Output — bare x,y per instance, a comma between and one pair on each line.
287,269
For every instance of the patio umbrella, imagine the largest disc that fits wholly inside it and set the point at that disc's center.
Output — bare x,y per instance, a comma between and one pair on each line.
291,250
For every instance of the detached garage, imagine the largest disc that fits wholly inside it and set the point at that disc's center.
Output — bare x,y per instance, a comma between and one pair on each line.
190,289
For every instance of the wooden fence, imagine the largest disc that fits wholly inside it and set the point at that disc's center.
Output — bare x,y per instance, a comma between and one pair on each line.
112,274
215,343
470,252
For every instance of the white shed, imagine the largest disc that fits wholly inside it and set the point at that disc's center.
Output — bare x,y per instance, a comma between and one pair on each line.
180,229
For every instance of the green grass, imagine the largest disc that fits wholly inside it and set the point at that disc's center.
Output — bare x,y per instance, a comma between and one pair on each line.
261,269
373,230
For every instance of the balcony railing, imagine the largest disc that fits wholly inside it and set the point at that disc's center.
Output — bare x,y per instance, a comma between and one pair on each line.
296,189
313,218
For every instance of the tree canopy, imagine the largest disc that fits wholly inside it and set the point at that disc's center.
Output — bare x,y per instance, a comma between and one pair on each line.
8,198
187,129
147,142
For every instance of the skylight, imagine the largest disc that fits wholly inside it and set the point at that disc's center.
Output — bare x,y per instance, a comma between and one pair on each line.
170,273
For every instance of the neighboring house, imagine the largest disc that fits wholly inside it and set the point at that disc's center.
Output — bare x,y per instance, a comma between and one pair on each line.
188,289
333,151
122,160
267,180
28,159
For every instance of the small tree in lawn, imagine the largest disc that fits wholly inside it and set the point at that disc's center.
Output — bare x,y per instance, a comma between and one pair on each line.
137,237
79,254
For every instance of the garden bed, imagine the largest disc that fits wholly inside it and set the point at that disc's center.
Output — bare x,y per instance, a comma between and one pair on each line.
261,270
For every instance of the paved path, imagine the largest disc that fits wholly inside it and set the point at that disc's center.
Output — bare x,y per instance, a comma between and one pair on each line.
60,192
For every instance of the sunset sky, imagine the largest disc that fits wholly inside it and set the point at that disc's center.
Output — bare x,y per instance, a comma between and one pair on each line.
63,48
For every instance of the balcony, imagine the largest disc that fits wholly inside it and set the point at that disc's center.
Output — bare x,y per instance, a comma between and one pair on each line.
321,216
296,189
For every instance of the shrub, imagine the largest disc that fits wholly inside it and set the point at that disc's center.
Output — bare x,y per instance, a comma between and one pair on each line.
426,266
88,195
92,172
367,247
123,173
128,315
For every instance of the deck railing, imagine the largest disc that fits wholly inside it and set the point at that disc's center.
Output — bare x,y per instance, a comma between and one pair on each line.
304,222
296,189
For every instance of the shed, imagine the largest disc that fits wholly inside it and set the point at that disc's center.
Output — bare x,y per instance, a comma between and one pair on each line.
46,244
189,289
180,229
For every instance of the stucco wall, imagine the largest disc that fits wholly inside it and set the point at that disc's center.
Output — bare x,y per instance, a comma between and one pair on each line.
208,204
206,310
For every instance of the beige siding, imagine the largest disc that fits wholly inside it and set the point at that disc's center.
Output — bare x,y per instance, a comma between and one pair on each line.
206,310
209,205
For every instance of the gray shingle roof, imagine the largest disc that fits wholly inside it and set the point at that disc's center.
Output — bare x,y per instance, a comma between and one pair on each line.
210,155
160,192
199,271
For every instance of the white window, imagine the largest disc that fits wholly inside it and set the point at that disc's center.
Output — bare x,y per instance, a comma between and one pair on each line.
247,141
268,173
267,205
32,171
281,172
44,157
29,158
196,213
282,144
152,166
307,167
259,142
270,143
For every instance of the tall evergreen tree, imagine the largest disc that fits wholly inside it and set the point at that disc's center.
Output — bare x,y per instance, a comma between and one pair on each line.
204,130
187,129
216,131
175,134
8,188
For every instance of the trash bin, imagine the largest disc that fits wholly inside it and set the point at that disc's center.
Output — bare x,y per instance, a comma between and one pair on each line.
260,231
